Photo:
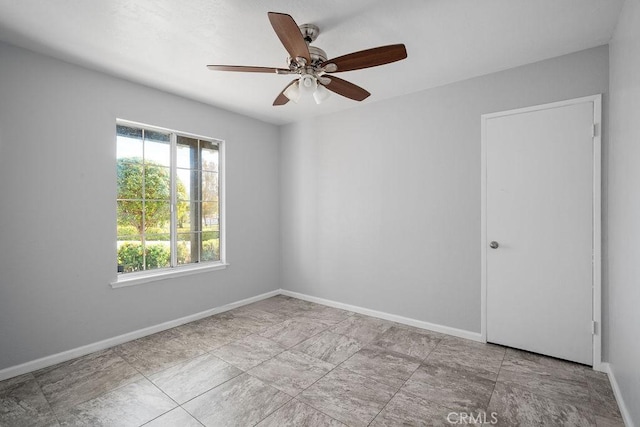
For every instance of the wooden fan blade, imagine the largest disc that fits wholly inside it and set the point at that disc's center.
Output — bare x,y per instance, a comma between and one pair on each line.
281,99
290,35
344,88
368,58
246,69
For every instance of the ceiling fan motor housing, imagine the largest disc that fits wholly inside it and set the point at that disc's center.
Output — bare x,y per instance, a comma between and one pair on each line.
317,55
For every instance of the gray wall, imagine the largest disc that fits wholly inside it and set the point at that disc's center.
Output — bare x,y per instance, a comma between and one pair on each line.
381,204
624,208
57,207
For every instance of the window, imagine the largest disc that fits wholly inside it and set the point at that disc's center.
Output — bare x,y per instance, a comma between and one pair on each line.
168,201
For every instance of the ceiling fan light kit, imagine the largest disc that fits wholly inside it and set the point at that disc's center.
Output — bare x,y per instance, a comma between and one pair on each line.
308,82
321,94
293,92
311,65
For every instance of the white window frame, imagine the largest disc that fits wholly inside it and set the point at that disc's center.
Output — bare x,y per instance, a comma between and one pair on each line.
146,276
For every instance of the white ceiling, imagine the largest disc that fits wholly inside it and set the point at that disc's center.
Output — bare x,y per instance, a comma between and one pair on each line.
167,43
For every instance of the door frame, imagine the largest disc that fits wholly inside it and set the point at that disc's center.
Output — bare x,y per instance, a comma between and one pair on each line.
597,215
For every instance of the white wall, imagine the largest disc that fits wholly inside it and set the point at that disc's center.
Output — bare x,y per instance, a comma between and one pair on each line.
58,217
624,208
381,203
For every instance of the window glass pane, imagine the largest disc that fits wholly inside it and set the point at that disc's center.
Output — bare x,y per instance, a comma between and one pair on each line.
183,184
157,234
128,131
209,156
128,148
130,216
209,214
157,255
129,179
210,250
210,186
157,217
156,136
157,148
157,182
187,155
128,233
130,256
188,212
210,232
188,248
183,217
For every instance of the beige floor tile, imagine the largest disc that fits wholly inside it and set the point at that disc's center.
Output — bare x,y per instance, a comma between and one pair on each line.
291,371
130,405
483,360
22,404
409,410
385,367
363,328
294,331
458,390
330,347
242,401
348,397
518,406
193,377
249,352
160,351
411,342
296,414
175,418
70,383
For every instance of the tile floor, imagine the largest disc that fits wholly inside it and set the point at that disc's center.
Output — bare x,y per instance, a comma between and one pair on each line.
287,362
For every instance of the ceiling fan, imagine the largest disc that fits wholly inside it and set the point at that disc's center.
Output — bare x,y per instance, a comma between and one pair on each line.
314,71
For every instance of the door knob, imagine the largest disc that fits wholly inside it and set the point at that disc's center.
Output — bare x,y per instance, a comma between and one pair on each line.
494,245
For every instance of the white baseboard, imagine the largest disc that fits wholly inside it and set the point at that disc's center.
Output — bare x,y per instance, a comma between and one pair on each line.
54,359
461,333
624,411
64,356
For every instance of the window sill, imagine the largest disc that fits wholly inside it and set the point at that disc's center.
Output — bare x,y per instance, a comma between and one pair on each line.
133,279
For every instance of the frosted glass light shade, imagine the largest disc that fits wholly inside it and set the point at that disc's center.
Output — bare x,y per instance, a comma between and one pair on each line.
321,94
293,92
307,83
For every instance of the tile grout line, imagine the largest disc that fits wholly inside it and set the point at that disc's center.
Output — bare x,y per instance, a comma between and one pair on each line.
273,357
436,403
405,382
372,379
327,329
288,349
161,391
306,404
495,382
341,363
178,405
542,395
331,370
247,371
55,414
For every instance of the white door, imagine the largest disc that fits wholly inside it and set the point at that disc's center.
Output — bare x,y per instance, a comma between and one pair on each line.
539,229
